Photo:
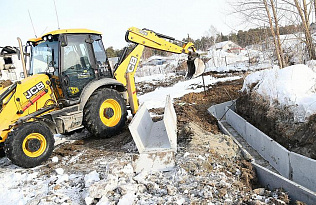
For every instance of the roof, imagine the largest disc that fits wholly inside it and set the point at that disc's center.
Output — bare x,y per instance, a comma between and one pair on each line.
221,44
61,31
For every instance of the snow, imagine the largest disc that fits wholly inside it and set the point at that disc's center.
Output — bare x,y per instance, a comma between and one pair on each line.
64,186
60,171
156,99
293,87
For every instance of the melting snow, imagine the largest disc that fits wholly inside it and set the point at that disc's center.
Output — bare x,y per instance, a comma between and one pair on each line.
293,86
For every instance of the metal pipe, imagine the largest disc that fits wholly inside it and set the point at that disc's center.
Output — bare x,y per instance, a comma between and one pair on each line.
22,57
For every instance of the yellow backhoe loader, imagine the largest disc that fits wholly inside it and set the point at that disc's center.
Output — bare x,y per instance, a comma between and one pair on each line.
70,85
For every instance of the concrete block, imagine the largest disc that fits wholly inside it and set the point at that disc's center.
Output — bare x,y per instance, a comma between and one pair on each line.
152,136
273,181
170,122
219,110
237,122
276,155
211,110
141,127
251,136
270,150
158,161
303,170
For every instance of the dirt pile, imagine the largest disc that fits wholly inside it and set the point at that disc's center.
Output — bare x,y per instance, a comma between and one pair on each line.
193,106
278,123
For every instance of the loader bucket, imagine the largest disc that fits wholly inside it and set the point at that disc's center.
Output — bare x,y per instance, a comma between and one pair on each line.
196,66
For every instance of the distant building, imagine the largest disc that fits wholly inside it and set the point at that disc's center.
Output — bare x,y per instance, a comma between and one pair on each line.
10,64
227,46
155,60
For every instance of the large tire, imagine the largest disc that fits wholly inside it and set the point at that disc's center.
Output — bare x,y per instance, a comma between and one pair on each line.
29,145
104,115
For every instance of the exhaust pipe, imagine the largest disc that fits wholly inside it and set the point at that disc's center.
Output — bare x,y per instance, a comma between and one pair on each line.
22,57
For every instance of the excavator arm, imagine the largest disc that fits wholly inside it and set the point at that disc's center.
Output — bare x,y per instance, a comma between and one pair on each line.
146,38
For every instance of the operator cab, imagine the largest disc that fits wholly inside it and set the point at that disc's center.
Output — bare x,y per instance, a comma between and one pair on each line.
72,58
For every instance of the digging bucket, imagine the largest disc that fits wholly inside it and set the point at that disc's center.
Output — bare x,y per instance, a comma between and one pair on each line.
196,66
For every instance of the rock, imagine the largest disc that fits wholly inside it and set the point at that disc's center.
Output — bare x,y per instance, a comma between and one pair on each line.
59,171
91,178
55,159
57,187
127,199
103,201
259,191
171,190
88,200
101,188
141,188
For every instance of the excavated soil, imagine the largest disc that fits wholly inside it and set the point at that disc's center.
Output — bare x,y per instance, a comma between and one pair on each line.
193,106
278,123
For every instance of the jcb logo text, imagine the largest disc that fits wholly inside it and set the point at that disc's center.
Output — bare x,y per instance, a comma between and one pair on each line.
33,90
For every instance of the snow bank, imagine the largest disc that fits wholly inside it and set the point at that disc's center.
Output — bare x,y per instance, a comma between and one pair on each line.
294,87
221,61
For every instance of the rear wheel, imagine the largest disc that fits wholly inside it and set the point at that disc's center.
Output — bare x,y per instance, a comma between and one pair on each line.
105,113
29,145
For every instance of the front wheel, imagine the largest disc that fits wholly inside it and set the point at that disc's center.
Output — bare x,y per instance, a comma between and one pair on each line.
105,113
29,145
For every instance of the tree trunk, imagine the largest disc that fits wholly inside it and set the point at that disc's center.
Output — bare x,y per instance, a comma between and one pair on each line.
305,21
276,22
314,1
273,34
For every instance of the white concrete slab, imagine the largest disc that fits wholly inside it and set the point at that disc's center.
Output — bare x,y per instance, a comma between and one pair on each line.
152,136
303,170
237,122
155,141
270,150
275,181
158,161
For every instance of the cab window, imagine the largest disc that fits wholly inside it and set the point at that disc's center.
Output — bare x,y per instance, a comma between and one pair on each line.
76,68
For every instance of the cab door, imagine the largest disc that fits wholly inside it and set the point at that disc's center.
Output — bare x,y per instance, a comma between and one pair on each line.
77,65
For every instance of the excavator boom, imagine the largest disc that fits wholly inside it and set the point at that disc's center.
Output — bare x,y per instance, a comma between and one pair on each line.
147,38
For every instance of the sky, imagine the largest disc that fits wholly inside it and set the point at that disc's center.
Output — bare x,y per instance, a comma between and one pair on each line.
112,18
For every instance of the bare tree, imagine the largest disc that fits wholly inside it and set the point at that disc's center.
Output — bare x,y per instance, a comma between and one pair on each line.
259,12
304,13
213,33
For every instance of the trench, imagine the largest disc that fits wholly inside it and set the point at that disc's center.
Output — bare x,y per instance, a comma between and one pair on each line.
276,167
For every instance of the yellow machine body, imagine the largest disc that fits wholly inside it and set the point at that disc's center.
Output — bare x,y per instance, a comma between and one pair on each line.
30,95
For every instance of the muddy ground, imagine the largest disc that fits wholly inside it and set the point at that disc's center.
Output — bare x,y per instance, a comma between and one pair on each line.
218,172
278,123
209,166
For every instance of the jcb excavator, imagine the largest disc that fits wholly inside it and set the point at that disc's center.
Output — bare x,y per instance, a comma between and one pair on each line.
70,85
